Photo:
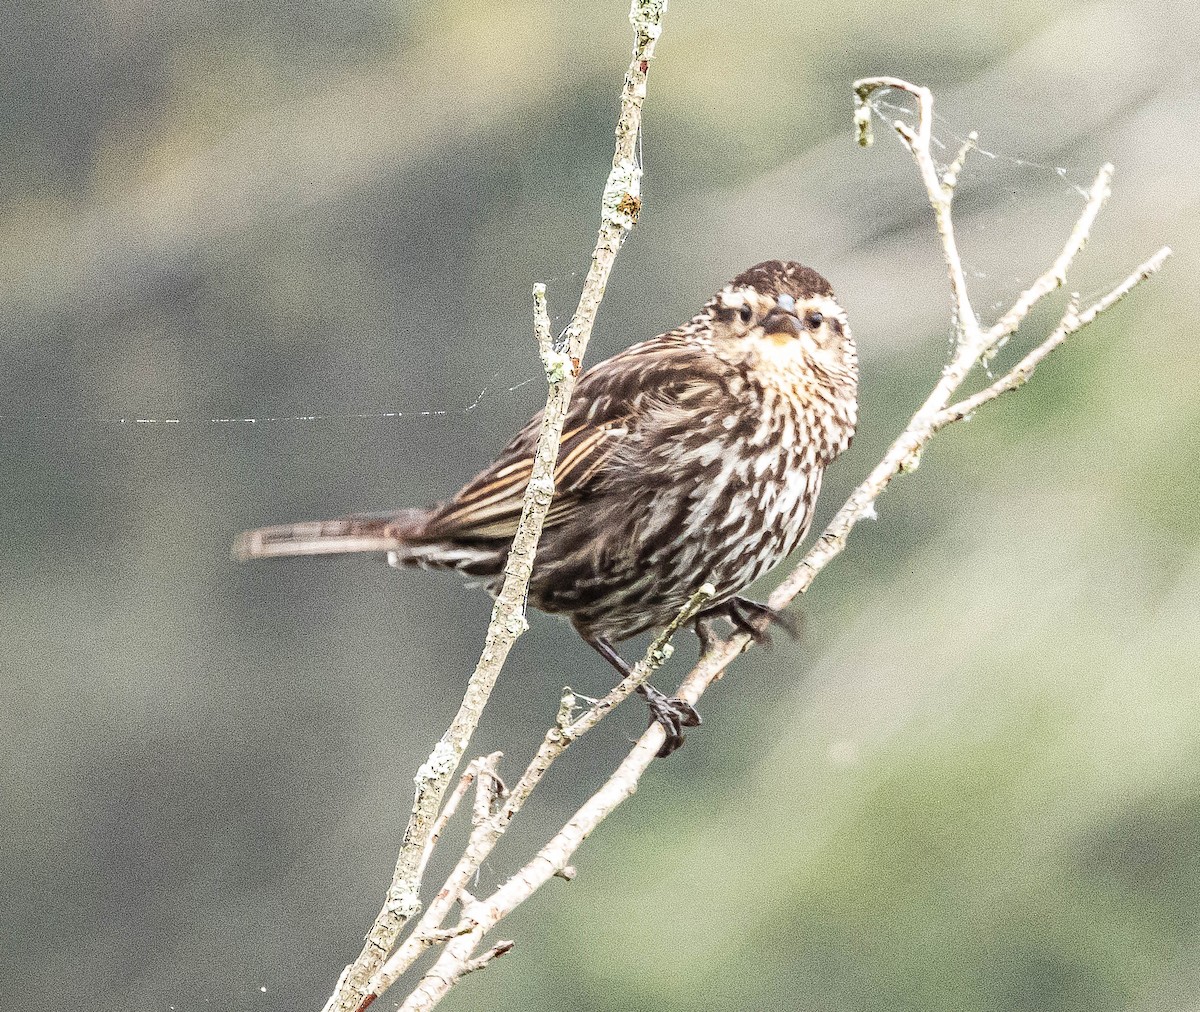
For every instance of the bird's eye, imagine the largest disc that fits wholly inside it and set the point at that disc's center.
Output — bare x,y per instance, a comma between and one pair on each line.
813,320
745,313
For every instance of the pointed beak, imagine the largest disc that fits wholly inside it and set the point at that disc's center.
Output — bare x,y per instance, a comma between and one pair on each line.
782,318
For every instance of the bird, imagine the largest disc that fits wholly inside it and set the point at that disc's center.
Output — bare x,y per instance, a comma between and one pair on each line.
692,458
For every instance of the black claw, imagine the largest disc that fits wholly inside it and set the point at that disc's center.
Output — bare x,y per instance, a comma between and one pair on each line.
754,618
673,714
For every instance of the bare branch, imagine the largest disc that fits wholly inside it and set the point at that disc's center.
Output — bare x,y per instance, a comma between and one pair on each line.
488,788
449,968
620,204
940,197
954,170
1072,320
559,737
1056,275
481,916
487,831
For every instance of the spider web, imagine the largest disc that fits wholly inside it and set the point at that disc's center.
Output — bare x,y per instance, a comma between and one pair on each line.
1030,196
1011,212
497,389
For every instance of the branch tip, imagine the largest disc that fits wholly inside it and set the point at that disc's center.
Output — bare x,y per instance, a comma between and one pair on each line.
950,176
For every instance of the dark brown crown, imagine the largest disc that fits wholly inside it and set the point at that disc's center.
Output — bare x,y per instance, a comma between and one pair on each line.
783,277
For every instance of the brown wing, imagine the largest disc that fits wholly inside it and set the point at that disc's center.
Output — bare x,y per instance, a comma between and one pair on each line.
610,400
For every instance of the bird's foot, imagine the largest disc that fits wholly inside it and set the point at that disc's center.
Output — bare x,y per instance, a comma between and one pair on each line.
754,618
673,713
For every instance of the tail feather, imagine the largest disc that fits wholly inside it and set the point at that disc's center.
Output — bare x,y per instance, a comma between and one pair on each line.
324,537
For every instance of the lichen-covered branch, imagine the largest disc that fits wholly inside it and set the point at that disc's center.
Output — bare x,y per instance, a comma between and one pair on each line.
974,345
487,833
620,204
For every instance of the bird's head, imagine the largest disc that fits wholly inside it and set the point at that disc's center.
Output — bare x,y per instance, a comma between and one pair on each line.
781,315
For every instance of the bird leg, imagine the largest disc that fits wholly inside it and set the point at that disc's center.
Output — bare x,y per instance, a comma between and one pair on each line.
708,636
671,712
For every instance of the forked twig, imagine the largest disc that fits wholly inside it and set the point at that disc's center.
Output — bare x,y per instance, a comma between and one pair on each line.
487,833
974,344
620,204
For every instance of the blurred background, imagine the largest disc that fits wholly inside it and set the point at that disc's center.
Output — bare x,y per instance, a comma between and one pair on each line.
974,784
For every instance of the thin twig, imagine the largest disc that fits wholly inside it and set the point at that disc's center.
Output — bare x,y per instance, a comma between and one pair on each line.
1056,275
559,737
487,834
445,972
954,170
1072,321
495,952
620,204
941,198
488,787
447,813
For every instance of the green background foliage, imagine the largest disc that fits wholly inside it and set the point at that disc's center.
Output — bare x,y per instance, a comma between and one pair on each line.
972,785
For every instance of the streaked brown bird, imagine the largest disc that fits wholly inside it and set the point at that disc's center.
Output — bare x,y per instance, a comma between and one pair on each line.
695,457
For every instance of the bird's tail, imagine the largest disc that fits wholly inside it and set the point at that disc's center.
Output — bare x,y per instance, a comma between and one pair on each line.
385,533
